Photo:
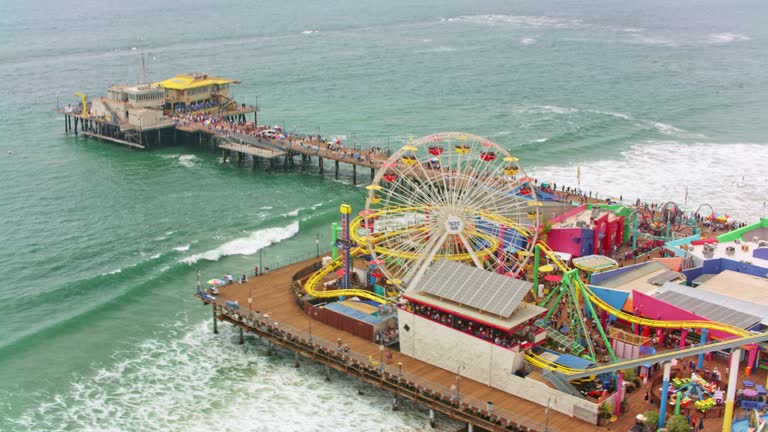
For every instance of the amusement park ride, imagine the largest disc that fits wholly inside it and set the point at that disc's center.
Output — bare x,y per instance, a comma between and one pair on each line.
463,198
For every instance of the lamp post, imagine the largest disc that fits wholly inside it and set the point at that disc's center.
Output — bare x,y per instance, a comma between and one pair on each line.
458,379
546,424
250,302
309,318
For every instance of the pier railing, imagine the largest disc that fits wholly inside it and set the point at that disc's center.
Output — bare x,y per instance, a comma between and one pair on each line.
390,377
274,265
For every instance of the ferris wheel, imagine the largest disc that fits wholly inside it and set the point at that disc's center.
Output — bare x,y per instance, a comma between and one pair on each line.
450,196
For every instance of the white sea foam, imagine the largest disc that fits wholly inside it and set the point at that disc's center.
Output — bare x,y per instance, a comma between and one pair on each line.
191,380
684,40
665,128
528,41
517,20
724,38
188,160
183,248
645,39
659,171
247,245
292,213
438,49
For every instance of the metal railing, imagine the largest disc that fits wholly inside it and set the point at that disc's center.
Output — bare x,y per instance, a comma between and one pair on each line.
388,375
274,265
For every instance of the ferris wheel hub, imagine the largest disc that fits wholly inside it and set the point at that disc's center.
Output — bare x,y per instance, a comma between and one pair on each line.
454,225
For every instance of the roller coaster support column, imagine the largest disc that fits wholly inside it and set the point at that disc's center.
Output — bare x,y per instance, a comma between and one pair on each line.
556,303
683,337
574,274
700,362
664,394
334,239
619,391
634,232
751,359
730,394
536,254
346,211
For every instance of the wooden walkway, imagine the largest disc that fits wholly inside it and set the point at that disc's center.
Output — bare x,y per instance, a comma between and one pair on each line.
273,297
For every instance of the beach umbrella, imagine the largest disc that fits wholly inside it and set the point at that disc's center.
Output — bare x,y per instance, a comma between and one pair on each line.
216,282
340,272
546,268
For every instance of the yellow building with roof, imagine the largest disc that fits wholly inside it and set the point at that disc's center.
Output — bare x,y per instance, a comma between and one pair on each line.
196,92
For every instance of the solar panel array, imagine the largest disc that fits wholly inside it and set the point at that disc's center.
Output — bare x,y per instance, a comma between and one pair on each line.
470,286
712,311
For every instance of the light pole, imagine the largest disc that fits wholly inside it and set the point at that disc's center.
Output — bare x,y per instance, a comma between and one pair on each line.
546,425
458,380
309,318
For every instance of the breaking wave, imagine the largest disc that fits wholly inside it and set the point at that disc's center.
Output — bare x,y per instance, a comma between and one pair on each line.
247,245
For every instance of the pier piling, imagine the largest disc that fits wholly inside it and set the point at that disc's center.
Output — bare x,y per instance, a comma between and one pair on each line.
296,359
337,169
215,323
242,338
320,164
327,373
354,174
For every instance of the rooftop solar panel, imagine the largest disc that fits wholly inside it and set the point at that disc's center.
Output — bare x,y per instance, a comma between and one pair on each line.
470,286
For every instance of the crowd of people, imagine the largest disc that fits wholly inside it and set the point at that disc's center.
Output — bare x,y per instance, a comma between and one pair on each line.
486,333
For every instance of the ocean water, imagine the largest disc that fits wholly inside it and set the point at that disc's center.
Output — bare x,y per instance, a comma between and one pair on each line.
101,245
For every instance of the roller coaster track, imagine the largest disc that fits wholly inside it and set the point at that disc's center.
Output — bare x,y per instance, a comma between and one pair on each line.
312,283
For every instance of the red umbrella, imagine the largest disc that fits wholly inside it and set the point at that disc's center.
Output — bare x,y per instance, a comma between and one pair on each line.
553,278
340,272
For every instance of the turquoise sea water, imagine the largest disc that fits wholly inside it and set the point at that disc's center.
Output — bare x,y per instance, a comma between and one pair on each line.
100,245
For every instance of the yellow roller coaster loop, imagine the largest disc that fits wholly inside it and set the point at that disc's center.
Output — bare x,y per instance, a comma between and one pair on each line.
311,286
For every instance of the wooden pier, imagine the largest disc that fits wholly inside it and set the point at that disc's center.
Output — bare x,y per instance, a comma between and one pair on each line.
236,147
276,317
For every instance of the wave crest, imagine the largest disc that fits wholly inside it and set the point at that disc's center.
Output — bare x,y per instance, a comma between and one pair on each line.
256,241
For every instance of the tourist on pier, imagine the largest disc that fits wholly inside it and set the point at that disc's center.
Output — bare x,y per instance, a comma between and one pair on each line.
255,270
